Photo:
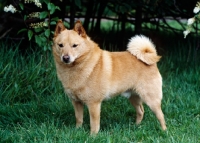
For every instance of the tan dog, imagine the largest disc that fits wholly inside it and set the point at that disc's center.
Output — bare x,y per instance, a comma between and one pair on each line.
89,75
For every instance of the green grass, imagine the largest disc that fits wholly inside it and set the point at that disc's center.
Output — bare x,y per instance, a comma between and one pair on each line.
34,108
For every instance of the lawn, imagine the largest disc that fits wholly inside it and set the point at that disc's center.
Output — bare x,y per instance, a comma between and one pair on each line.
34,108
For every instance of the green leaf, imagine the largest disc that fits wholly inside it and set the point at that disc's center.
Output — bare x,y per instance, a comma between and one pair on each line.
21,6
52,10
78,3
53,23
37,30
38,40
43,38
43,14
66,24
30,34
25,17
51,7
58,8
22,30
46,1
45,48
54,19
47,32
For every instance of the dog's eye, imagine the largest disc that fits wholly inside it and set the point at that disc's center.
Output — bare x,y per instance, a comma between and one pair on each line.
60,45
74,45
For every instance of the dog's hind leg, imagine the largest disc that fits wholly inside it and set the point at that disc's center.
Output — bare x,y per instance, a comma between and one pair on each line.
137,103
78,108
152,97
155,106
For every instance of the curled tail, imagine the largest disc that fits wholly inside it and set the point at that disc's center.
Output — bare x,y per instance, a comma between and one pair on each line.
143,49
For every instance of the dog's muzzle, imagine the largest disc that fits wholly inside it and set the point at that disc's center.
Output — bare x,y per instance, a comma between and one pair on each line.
66,59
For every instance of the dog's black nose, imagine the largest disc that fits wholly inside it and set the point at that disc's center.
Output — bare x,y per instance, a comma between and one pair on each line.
66,59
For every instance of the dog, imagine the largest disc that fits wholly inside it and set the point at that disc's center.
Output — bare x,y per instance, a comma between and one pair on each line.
90,75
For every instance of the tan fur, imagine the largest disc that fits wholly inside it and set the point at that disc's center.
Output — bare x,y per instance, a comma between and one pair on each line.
143,49
89,75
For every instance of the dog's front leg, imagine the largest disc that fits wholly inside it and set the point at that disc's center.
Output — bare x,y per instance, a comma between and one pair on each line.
78,108
94,110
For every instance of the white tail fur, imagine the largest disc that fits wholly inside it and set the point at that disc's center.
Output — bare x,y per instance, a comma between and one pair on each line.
143,49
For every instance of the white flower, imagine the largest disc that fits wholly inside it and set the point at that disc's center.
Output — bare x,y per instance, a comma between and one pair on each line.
10,8
38,4
190,21
45,24
186,32
196,9
6,9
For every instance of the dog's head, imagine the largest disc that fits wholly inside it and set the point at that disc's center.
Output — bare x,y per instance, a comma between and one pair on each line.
69,44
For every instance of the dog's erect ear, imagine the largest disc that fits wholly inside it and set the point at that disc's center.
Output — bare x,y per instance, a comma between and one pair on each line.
59,28
79,29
